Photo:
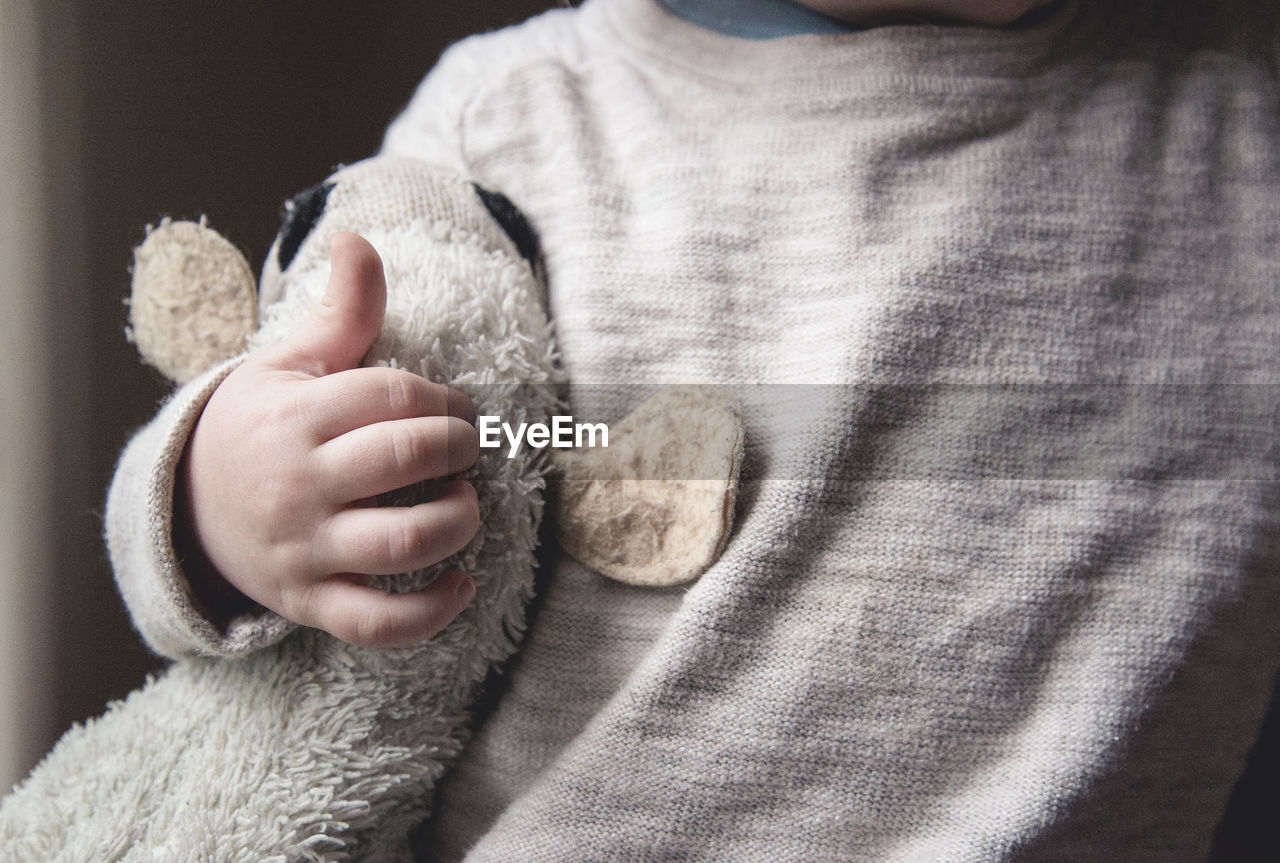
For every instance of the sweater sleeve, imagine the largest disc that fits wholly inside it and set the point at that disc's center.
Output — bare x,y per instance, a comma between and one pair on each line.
139,537
430,126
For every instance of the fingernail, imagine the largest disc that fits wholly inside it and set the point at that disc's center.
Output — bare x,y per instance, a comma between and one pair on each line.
456,486
461,406
466,590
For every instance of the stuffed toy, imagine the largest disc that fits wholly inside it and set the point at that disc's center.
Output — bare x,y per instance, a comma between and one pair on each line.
312,748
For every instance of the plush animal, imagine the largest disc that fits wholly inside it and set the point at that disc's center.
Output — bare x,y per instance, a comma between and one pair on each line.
314,749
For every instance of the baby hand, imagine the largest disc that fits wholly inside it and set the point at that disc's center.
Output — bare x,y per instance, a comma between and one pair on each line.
277,490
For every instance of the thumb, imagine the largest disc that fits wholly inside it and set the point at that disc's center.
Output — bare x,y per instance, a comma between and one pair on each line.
339,332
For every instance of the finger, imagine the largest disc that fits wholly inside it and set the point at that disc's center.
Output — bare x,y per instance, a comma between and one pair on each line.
386,456
369,617
359,397
342,328
389,539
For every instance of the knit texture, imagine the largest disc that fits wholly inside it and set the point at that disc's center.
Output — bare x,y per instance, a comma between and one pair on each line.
1002,585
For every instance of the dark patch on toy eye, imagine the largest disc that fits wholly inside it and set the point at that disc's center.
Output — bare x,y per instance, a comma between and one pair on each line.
301,212
513,222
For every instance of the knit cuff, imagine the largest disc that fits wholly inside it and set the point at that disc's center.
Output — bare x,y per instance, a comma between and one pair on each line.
139,536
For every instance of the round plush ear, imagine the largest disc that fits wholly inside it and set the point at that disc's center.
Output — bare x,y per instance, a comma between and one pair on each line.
654,507
194,299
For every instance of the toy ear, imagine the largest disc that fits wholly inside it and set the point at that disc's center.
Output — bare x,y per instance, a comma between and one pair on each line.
194,299
654,508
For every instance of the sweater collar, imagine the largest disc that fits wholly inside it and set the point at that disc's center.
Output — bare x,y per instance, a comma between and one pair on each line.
754,19
898,58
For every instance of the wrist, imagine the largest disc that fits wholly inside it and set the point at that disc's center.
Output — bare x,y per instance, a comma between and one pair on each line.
212,594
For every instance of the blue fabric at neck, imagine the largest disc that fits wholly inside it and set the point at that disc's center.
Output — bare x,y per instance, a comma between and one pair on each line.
754,19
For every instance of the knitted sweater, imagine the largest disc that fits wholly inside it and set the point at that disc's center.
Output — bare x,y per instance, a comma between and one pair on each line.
1001,307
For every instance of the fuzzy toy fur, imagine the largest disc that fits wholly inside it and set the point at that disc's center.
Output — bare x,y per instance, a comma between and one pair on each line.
312,749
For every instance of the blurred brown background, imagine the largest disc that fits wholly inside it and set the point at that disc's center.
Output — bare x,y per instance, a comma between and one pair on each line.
117,113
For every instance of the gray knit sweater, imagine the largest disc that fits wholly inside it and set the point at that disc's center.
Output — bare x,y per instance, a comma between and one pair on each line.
1003,310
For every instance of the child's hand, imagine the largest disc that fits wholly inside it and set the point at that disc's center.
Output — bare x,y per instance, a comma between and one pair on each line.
278,485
